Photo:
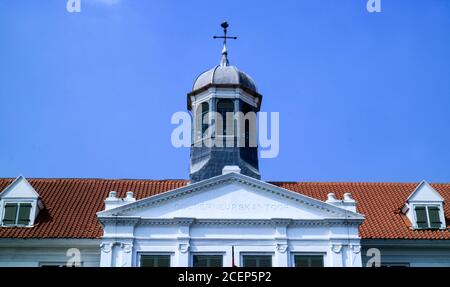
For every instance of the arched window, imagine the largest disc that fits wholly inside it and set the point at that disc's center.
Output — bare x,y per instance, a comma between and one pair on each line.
201,120
248,133
247,128
224,107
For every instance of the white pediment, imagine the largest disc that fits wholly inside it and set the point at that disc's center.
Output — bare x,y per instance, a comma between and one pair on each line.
230,196
425,193
20,188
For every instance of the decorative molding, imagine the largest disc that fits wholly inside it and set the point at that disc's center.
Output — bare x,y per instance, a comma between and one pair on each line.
183,247
234,93
124,220
106,247
127,247
336,248
282,247
248,222
281,221
356,248
231,178
183,221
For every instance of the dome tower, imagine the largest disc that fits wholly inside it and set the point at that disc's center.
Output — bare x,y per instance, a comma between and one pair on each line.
223,102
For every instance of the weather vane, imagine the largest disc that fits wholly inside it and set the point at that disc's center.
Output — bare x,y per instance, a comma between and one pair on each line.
224,25
224,61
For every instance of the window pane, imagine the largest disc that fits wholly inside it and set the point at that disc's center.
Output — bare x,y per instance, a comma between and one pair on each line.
205,120
224,107
215,261
24,214
308,260
10,214
435,221
317,261
201,121
421,217
257,260
155,260
207,261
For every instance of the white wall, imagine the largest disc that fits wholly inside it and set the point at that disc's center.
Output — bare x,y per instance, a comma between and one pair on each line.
339,246
32,253
415,253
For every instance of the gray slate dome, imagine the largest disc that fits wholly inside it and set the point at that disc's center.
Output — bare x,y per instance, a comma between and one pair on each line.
225,75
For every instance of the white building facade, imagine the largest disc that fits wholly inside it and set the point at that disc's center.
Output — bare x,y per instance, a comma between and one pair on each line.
228,220
233,218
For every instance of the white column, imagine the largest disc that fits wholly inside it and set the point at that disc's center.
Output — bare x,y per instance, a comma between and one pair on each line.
227,260
106,254
281,241
183,241
335,255
117,254
126,248
355,255
182,254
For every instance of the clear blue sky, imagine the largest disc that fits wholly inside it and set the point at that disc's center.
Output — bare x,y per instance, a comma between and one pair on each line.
362,97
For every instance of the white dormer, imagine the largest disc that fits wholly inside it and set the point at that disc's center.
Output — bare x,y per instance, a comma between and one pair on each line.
425,208
19,204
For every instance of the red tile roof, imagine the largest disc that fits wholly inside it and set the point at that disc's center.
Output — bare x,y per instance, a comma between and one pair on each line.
380,203
71,205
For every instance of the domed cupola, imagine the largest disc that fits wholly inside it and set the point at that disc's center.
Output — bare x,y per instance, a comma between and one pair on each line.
217,139
225,75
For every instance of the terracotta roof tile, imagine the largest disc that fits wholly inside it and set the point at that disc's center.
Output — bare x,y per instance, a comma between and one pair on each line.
71,205
381,204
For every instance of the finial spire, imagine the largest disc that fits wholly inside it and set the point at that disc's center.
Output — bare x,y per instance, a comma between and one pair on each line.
224,61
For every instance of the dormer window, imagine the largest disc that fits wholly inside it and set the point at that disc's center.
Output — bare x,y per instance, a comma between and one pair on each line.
19,204
425,208
428,217
17,214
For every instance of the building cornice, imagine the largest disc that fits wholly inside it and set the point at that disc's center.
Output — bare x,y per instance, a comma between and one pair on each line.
222,180
247,222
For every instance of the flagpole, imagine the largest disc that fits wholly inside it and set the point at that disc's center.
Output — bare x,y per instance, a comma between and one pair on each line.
232,256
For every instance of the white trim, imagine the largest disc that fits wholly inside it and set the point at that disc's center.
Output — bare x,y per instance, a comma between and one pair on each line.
419,187
12,184
426,206
224,179
18,203
45,242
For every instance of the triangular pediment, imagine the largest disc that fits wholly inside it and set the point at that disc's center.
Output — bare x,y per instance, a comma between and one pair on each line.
424,192
230,196
20,188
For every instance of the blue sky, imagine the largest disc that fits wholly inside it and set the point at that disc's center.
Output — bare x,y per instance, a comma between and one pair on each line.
361,97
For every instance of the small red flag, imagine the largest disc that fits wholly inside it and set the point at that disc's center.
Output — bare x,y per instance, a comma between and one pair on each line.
232,257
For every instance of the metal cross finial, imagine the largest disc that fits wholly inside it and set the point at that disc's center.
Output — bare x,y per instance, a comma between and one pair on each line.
224,60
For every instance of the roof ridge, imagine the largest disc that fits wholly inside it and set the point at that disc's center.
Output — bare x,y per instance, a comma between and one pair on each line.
355,182
94,178
268,181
